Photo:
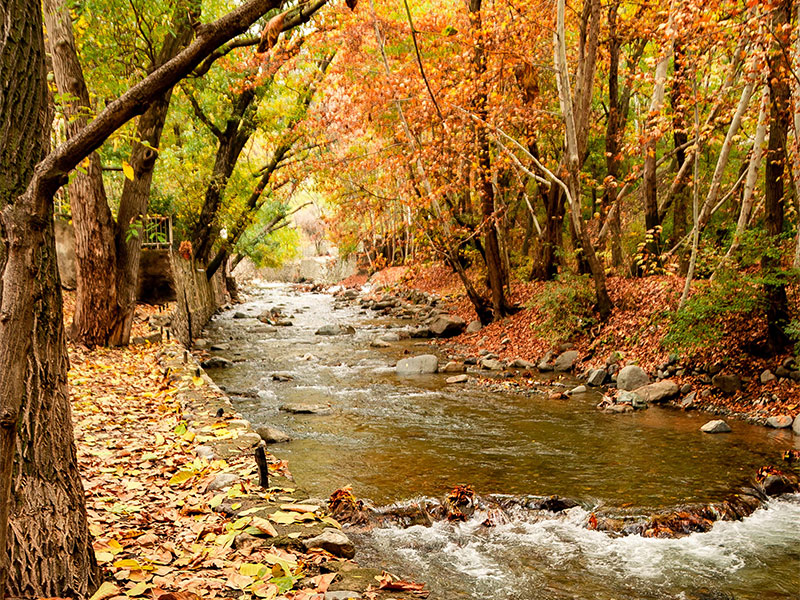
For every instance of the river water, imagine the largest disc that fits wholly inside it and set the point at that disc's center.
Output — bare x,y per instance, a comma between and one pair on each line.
396,439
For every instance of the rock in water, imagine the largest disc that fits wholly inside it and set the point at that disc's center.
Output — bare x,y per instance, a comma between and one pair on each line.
716,426
417,365
272,435
491,364
780,421
301,408
335,330
796,425
596,377
216,362
333,541
658,391
457,379
447,326
581,389
566,360
632,377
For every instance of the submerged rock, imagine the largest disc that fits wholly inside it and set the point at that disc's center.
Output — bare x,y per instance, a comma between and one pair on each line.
457,379
216,362
417,365
716,426
335,329
302,408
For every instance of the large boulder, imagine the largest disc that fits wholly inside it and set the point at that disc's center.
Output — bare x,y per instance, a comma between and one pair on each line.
632,377
658,391
417,365
716,426
726,383
566,360
796,425
447,326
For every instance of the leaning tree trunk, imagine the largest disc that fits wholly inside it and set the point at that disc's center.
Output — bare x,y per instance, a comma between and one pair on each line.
95,298
45,546
779,73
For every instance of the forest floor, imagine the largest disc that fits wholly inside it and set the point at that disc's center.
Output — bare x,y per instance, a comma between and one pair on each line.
636,330
173,523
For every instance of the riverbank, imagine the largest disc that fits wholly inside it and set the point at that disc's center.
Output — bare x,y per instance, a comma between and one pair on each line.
722,379
174,495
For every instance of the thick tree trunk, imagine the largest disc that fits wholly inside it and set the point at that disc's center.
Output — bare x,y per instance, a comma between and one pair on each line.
776,157
45,547
494,263
96,298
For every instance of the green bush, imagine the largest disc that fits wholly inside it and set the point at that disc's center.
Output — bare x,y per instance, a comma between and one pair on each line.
568,303
701,322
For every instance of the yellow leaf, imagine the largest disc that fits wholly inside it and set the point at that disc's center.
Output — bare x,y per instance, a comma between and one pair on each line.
104,557
159,439
138,590
331,521
302,508
128,563
115,547
198,381
106,590
188,436
181,477
282,518
251,569
127,169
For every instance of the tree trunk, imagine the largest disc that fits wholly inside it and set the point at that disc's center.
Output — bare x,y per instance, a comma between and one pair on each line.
779,74
96,298
45,546
494,263
652,220
617,116
680,136
136,193
238,129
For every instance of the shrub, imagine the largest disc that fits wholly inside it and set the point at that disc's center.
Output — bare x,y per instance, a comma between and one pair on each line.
568,303
702,322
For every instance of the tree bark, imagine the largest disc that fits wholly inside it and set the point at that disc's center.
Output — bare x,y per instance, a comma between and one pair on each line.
494,263
136,193
96,294
574,139
680,137
617,116
45,546
652,220
779,75
44,541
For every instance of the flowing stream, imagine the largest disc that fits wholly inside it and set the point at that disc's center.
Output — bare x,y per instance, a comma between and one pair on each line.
395,439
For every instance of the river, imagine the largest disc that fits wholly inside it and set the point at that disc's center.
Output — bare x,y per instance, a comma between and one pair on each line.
395,439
